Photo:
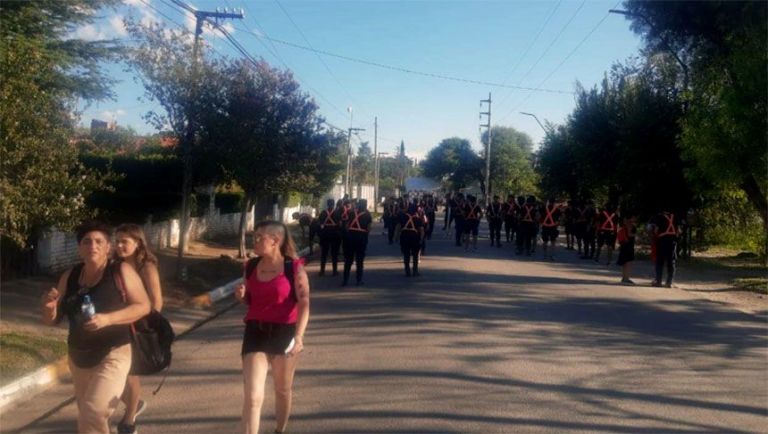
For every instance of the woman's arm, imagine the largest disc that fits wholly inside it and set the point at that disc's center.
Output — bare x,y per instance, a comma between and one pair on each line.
150,277
135,296
301,281
51,300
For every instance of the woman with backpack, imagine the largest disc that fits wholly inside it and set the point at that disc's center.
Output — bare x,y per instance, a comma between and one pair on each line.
99,315
276,291
132,248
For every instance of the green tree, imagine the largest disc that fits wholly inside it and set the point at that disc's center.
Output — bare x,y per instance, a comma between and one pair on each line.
362,165
453,161
511,161
724,46
42,183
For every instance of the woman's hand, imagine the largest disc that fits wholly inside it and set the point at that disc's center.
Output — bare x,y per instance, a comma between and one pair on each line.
97,322
50,299
240,293
298,346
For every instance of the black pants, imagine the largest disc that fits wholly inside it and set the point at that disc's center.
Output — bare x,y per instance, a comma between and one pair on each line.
391,229
525,237
510,228
329,241
409,245
666,253
355,244
494,225
578,231
431,224
459,226
589,243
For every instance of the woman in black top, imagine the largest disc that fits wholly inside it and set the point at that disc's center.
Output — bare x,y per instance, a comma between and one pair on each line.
99,337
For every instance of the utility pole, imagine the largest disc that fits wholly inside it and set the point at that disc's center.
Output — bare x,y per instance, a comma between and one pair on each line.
487,149
189,139
349,157
375,164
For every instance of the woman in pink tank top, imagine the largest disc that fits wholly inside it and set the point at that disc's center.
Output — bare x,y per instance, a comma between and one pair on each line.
277,317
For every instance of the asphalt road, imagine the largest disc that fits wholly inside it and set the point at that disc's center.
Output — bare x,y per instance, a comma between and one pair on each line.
484,342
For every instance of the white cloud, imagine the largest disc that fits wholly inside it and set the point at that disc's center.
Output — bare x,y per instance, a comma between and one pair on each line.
118,26
89,32
136,3
109,115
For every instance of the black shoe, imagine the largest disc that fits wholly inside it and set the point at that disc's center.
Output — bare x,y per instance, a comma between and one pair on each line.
656,284
124,428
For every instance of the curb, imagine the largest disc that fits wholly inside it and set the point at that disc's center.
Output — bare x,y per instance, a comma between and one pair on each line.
55,372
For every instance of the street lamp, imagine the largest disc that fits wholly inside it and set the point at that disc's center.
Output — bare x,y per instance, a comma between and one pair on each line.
663,41
537,120
376,179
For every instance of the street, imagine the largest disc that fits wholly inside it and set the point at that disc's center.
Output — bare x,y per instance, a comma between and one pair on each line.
482,342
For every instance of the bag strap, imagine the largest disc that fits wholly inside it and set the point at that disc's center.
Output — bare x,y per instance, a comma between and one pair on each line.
250,266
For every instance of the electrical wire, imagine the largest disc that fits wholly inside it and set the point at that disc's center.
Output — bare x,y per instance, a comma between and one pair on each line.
400,69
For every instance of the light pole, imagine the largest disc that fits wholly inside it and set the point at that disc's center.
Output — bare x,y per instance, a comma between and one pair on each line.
663,41
537,120
376,180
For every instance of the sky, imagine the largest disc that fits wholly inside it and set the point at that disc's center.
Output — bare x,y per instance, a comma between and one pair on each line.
546,45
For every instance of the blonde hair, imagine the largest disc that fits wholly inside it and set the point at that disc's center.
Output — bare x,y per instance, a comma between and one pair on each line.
279,230
143,254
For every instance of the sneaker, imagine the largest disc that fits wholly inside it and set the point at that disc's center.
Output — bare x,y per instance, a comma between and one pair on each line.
656,284
627,281
669,285
124,428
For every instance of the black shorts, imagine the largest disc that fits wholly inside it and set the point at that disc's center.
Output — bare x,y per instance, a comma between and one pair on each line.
471,227
267,337
606,238
549,233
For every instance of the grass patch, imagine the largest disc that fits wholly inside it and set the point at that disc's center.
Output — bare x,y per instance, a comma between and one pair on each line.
752,284
22,353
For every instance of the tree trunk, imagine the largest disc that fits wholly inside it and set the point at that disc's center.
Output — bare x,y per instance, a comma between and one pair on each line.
241,251
758,199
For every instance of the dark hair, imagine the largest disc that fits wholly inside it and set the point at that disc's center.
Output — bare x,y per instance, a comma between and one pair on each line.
93,226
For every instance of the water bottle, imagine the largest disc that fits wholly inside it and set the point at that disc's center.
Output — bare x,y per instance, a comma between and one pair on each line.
87,309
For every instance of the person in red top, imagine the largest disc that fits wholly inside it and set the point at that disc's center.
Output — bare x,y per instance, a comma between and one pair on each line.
277,318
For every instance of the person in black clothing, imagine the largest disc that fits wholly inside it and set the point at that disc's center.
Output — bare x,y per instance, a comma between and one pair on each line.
495,215
550,221
100,299
430,207
667,229
411,233
590,230
390,218
579,224
527,218
607,226
472,215
568,223
448,217
458,217
356,230
509,209
330,236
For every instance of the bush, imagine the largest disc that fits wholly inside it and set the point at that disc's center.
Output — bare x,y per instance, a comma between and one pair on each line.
730,220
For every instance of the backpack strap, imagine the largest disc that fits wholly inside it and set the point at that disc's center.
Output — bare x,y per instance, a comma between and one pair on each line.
250,266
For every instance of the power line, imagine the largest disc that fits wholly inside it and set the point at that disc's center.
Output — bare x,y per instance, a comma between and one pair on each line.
571,53
549,47
303,36
400,69
528,49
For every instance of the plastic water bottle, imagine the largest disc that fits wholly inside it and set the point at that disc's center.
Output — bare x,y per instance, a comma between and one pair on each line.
87,309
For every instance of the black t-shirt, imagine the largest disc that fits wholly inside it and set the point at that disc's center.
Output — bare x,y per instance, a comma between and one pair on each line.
358,222
662,223
330,220
410,223
555,216
88,348
495,211
472,212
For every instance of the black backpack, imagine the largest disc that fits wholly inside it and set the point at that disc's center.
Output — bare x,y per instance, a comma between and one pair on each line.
287,270
151,339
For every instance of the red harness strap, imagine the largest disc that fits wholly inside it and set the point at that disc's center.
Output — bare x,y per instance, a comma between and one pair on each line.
670,225
528,216
549,220
329,221
410,225
472,213
355,225
608,225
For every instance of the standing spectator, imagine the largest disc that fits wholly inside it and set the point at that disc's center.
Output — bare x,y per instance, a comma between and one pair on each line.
276,291
99,313
667,229
132,248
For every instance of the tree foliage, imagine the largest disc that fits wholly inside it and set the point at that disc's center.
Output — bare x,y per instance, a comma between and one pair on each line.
42,184
511,161
454,162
